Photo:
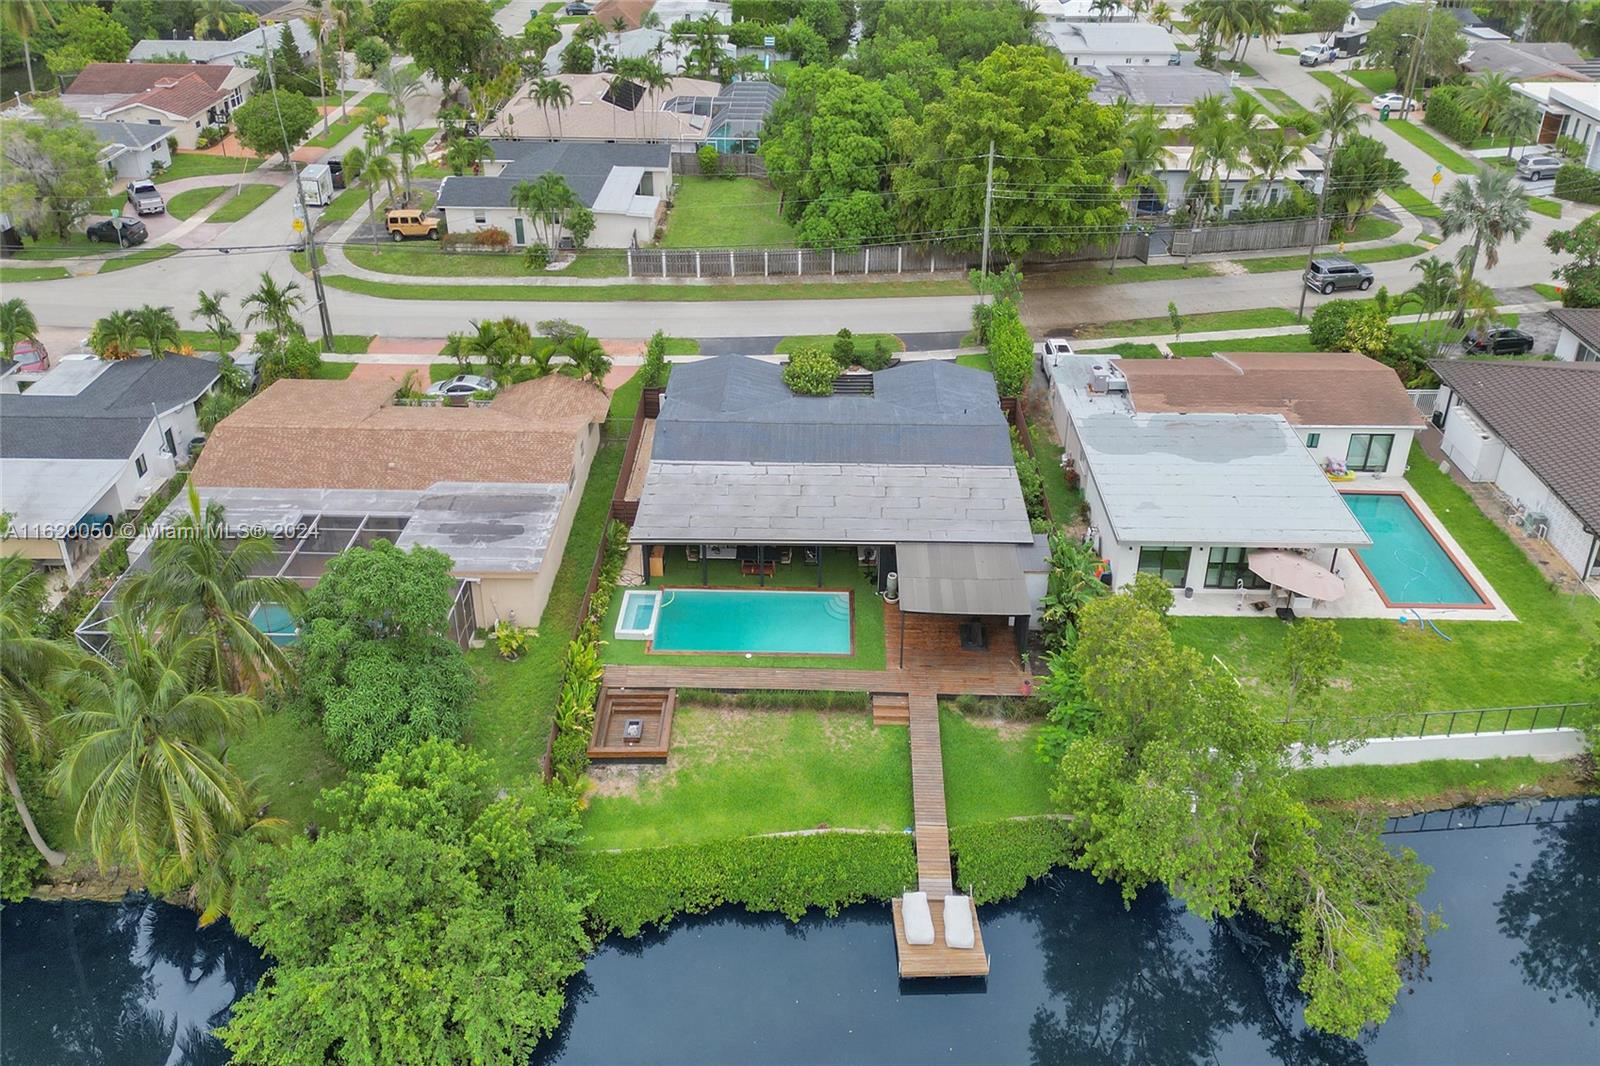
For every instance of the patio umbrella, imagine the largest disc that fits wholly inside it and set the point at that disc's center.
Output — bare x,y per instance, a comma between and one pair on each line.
1297,574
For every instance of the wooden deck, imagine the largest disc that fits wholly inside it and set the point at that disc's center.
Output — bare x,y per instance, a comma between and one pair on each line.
652,708
939,959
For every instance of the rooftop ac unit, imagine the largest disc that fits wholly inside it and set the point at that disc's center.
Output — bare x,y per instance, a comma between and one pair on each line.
1116,380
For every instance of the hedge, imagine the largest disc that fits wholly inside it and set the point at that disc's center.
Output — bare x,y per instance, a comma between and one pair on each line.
1446,114
996,860
786,874
1574,181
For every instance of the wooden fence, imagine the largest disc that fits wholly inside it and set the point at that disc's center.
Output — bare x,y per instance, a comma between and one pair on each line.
1250,236
740,164
1013,409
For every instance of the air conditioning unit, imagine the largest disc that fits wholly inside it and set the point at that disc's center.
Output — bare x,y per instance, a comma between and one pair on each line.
1106,378
1537,523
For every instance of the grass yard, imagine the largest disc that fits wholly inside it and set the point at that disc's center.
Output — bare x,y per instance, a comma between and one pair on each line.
290,764
1293,342
865,342
977,360
1441,152
1244,70
1549,292
1389,669
735,773
1414,201
334,370
203,340
9,273
139,258
347,203
991,770
1064,500
1369,228
200,164
839,571
1329,78
854,289
726,213
1541,205
1268,264
1133,271
1286,50
1257,318
190,201
247,200
76,246
1278,100
352,343
342,128
1440,784
423,259
1374,81
1130,351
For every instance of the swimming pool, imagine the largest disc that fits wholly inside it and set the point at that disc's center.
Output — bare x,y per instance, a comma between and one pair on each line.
276,622
758,621
1406,563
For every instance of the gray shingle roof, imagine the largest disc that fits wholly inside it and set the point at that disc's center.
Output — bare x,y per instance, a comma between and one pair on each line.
736,409
132,134
1546,413
1582,321
584,164
962,579
107,417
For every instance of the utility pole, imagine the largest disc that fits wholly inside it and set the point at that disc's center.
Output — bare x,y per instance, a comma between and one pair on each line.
304,215
988,209
1416,59
1316,227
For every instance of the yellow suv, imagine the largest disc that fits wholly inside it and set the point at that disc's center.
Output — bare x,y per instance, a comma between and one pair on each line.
410,222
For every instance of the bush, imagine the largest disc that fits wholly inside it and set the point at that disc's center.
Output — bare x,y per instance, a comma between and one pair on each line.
1447,115
996,860
1010,350
1329,323
710,160
491,237
20,862
653,373
878,357
1032,481
536,256
787,874
372,53
844,348
810,372
1368,331
1577,182
211,135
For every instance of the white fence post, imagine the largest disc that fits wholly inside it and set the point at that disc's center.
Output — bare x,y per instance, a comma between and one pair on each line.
766,264
731,272
630,262
833,261
900,259
697,263
663,262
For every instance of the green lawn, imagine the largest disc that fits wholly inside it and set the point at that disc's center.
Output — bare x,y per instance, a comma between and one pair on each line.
1278,100
203,340
736,773
287,759
347,203
1064,500
1127,350
991,770
1549,208
1329,78
1441,152
1374,81
352,343
1293,342
1437,784
247,200
27,273
865,342
637,291
339,129
839,571
1414,201
1388,668
1549,292
139,258
1287,50
190,201
1369,228
726,213
1268,264
977,360
1244,70
1257,318
424,259
76,246
682,346
200,164
333,370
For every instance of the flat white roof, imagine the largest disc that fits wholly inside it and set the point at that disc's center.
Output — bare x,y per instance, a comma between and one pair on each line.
1234,480
53,492
1580,96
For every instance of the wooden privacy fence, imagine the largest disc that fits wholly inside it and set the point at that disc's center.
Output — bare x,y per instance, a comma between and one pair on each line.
742,164
1249,236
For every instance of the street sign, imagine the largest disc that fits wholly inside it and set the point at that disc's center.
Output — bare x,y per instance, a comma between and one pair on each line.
769,41
299,226
1437,177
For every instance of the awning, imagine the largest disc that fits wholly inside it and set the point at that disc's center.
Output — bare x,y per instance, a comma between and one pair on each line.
964,579
1297,574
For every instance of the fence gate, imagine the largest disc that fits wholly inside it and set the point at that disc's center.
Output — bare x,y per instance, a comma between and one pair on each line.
1180,242
1141,246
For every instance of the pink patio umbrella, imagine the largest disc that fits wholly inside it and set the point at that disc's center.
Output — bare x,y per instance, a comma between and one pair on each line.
1297,574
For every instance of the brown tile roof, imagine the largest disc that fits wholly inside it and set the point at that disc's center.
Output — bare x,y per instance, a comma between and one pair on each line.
104,79
187,96
1545,412
632,12
348,435
1584,322
1310,389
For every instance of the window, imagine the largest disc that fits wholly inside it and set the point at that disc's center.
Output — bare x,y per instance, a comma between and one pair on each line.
1226,567
1369,451
1169,564
1313,439
480,216
139,465
1586,354
172,445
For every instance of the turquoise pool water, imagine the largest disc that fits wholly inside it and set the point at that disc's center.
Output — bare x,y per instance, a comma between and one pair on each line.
754,620
1409,566
277,623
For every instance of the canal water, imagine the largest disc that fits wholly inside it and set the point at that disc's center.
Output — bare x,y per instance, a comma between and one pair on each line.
1076,978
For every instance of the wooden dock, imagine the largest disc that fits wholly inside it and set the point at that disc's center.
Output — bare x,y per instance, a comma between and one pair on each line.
938,959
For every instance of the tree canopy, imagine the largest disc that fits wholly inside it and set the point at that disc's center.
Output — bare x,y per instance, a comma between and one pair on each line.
50,172
266,119
1394,39
447,38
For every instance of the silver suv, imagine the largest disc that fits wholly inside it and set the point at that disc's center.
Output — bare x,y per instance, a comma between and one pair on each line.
1538,167
1335,272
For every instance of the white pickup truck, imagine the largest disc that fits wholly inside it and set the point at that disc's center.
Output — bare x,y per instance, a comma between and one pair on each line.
1315,54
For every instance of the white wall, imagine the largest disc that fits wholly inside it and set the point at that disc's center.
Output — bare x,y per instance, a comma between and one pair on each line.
610,230
1467,443
1565,529
1334,443
131,488
1175,192
138,163
186,131
1080,56
1571,349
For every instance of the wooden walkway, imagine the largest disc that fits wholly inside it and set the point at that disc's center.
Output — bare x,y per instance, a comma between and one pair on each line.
927,800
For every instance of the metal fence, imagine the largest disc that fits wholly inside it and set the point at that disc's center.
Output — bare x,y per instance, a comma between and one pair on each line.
1498,816
1424,399
1530,718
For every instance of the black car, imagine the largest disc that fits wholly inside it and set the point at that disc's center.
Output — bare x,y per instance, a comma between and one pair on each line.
124,231
1501,341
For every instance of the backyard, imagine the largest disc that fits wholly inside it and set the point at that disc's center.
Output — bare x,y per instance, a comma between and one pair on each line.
726,213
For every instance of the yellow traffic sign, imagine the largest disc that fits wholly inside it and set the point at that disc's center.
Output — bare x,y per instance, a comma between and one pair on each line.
299,226
1437,177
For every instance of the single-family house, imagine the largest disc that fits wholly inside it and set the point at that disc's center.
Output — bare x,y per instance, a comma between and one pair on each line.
186,98
625,185
89,441
651,43
912,472
1568,109
1579,340
1083,11
1169,90
1112,44
239,52
131,149
688,112
495,487
1522,61
1238,186
671,12
1528,428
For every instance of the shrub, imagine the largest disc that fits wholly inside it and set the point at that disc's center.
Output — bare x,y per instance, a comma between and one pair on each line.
1577,182
20,862
1329,322
1032,481
810,372
710,160
653,374
581,670
372,53
210,136
787,874
491,237
844,348
1447,115
996,860
879,356
1010,350
536,256
1368,331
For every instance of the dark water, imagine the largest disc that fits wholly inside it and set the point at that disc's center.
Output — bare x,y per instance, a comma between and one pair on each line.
1076,979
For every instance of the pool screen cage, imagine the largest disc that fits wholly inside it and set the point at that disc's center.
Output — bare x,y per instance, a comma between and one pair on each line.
302,554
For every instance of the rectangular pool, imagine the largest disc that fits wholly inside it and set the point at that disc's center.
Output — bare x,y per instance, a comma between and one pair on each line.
758,621
1406,563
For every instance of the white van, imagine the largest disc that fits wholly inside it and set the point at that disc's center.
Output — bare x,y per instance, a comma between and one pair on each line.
1311,55
316,184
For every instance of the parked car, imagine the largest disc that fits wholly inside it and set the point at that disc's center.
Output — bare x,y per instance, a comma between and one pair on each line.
30,357
1538,167
1335,272
1051,347
1394,102
1313,54
146,199
578,8
1500,341
410,222
124,231
336,168
462,385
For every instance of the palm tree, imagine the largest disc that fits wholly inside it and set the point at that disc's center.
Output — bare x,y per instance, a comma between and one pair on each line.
545,201
1273,153
1518,122
1143,151
21,18
319,24
213,17
1491,208
1433,294
1487,98
486,342
588,358
16,324
142,773
378,168
401,83
200,584
1161,14
26,663
408,145
277,306
344,13
1246,110
376,138
116,336
1556,20
159,329
208,306
1339,114
464,153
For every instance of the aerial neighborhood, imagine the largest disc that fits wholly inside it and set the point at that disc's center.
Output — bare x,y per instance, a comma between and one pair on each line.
711,531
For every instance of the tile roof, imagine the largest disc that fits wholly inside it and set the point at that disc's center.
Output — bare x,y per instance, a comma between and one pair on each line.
102,78
106,412
348,435
1546,413
584,165
1584,322
186,96
1310,389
